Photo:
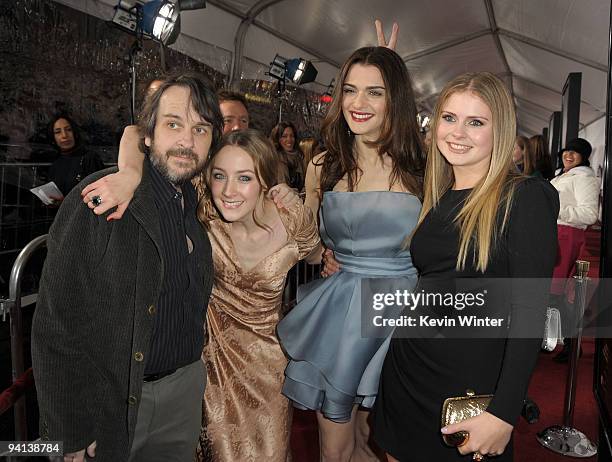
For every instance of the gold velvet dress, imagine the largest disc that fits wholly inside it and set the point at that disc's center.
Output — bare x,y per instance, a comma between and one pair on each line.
246,418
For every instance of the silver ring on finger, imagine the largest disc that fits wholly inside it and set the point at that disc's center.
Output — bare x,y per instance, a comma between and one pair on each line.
96,200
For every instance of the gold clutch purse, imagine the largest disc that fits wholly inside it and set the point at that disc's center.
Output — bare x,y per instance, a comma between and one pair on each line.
459,409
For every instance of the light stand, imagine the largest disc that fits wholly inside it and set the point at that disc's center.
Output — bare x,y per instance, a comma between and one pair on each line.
278,70
158,20
134,49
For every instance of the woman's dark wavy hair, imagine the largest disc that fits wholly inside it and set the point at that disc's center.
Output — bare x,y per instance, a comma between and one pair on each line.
399,134
203,98
277,132
76,130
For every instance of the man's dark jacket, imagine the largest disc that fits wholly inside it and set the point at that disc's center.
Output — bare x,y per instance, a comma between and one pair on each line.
93,321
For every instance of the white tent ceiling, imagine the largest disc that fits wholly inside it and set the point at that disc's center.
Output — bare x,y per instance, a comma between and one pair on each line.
531,44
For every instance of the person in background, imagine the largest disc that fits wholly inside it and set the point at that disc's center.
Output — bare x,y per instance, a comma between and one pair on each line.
153,86
579,197
234,109
74,162
521,144
286,142
537,159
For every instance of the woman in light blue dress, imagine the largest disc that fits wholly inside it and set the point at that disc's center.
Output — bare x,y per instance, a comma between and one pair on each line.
365,189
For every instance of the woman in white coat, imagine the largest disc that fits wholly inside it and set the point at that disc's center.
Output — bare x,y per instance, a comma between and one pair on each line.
579,203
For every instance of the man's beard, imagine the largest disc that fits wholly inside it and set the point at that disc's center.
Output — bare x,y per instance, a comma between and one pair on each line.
175,176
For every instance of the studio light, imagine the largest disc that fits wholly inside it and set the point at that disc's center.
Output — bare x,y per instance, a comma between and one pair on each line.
160,20
156,19
300,71
296,70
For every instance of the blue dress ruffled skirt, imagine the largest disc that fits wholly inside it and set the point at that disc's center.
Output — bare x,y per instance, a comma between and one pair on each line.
333,365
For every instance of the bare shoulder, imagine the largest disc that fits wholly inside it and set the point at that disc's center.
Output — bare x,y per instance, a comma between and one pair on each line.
315,165
318,159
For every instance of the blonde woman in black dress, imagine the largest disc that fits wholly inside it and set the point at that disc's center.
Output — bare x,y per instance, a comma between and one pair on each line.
480,219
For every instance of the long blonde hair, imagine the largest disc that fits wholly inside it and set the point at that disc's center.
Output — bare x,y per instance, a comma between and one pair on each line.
478,218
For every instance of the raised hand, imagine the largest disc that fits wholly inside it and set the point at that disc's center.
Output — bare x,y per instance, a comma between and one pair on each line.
382,42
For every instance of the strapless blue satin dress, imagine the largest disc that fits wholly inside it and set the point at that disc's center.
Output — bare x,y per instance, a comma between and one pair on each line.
332,365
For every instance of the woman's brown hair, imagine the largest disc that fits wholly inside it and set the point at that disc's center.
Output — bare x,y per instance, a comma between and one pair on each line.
399,135
265,159
537,158
277,132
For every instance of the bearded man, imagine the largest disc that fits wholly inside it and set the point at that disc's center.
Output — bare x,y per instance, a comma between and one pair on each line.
119,326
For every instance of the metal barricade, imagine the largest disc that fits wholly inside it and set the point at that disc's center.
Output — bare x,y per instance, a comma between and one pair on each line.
22,214
12,306
301,273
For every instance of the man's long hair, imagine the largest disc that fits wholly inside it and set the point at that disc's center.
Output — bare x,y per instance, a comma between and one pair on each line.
203,98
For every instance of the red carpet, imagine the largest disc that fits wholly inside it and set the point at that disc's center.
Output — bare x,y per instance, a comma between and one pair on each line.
547,389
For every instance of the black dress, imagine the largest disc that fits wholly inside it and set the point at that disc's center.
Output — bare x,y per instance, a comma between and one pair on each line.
419,373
